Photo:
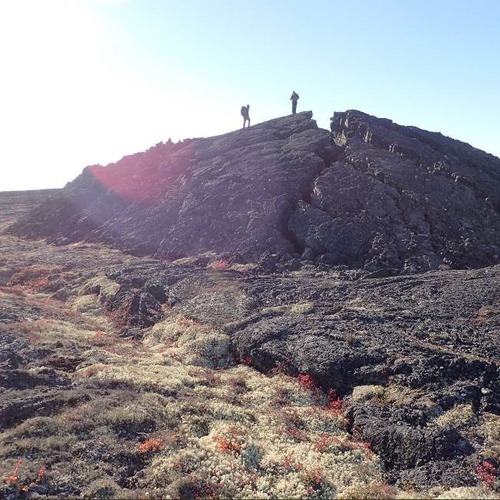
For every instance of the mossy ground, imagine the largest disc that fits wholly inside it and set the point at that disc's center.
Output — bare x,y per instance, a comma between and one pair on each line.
85,412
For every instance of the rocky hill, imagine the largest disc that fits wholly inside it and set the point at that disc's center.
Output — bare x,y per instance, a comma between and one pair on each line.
370,194
284,341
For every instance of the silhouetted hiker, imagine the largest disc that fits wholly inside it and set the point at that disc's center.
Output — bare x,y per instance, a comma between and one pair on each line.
294,99
245,113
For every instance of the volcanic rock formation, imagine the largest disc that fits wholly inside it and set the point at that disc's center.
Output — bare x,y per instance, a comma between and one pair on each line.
371,194
413,360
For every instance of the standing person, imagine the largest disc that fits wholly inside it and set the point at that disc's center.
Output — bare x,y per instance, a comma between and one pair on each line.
245,113
294,99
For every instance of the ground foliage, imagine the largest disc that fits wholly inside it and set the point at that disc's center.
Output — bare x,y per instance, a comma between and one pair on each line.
130,377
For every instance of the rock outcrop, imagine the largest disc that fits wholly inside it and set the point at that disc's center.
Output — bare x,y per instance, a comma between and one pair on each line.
369,194
406,198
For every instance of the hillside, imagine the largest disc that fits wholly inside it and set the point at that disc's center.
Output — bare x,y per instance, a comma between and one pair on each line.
278,312
371,195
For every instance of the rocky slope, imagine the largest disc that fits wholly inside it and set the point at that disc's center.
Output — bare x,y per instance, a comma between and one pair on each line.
371,194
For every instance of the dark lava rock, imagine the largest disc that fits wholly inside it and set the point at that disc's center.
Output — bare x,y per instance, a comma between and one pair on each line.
411,199
135,309
402,439
24,379
231,193
438,473
30,403
371,194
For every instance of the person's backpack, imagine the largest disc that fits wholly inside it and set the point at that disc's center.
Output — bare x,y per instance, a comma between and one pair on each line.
244,111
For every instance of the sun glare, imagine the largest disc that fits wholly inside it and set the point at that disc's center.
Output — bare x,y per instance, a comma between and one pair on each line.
63,93
67,96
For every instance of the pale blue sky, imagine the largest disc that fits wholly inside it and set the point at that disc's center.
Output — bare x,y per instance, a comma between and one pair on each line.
89,81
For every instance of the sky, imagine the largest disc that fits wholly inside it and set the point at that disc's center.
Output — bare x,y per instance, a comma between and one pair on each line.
87,82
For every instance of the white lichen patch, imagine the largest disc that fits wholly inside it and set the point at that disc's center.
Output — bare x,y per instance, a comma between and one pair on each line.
302,308
239,441
458,417
191,342
100,285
